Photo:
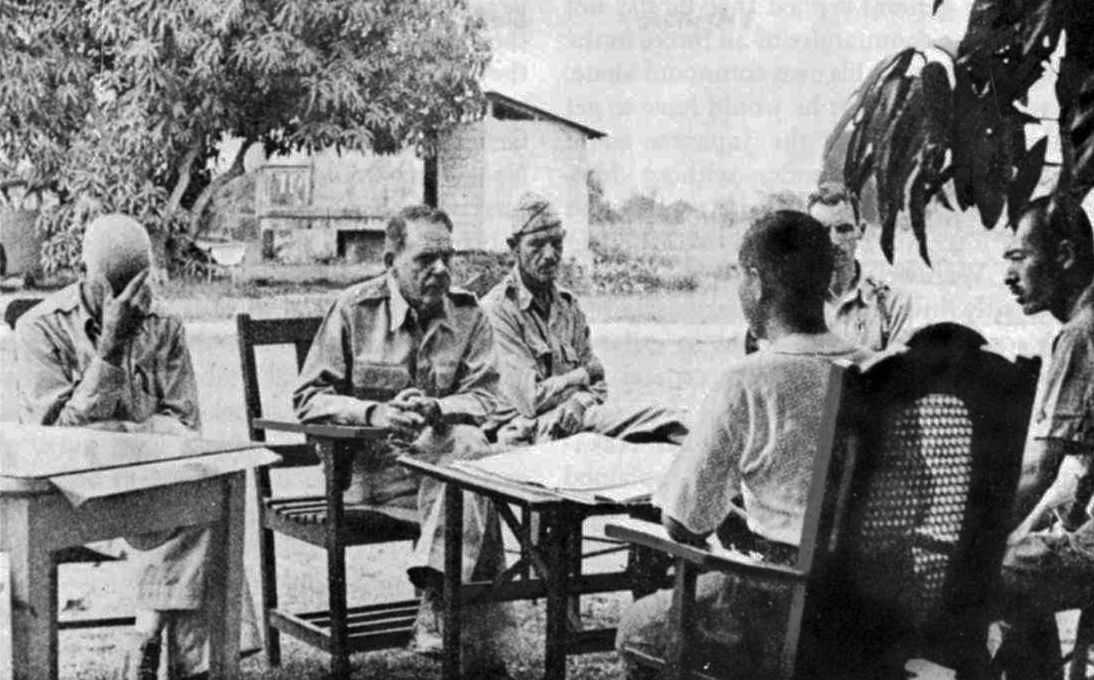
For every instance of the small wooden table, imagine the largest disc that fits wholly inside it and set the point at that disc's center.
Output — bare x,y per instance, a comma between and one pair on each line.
37,519
555,560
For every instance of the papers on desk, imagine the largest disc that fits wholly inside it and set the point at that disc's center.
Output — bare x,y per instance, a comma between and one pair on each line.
587,467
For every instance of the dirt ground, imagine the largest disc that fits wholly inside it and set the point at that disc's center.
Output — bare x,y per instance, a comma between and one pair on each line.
663,348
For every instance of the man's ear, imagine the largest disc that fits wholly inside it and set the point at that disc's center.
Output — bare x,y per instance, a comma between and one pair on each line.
389,258
1065,254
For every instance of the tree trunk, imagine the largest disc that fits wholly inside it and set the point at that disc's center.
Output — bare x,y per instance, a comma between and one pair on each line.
207,194
183,181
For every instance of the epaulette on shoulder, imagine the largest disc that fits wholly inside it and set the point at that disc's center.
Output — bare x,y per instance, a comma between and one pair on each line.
463,298
369,290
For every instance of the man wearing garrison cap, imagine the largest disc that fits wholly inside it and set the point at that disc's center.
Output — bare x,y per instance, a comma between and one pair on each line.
100,354
551,378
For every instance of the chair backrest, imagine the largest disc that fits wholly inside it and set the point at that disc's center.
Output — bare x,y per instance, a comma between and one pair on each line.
253,333
940,433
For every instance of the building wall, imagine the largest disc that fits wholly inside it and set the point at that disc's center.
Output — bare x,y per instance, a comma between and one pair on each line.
460,187
539,156
326,206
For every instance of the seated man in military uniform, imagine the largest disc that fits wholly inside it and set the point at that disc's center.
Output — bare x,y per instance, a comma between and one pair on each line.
551,378
405,352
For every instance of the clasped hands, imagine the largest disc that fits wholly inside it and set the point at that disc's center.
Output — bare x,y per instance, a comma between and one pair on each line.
405,416
570,416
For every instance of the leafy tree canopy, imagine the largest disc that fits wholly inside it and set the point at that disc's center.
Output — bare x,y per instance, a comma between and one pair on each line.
120,104
922,122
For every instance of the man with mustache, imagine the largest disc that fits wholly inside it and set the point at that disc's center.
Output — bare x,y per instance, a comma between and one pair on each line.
100,354
405,352
550,376
1049,564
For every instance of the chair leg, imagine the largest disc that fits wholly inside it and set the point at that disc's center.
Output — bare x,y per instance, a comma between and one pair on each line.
267,555
1084,637
267,558
681,621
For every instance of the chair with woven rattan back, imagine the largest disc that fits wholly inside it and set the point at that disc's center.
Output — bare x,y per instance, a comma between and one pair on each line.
929,446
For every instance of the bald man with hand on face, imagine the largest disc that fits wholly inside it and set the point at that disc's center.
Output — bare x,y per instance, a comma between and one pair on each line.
100,354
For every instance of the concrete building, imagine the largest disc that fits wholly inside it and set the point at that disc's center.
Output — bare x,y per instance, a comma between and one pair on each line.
326,207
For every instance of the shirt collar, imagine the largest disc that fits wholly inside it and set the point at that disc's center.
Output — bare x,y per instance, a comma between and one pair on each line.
854,293
811,343
1085,299
400,310
524,296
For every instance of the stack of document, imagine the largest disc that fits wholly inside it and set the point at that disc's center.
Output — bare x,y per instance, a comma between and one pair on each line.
586,466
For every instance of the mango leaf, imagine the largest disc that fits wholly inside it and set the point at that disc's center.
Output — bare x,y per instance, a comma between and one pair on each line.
1025,181
990,162
858,97
965,128
917,214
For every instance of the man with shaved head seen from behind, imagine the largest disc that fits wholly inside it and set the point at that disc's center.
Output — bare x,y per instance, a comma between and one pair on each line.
100,354
744,471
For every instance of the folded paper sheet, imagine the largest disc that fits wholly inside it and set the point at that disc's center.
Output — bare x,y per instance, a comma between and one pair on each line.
85,463
81,487
587,464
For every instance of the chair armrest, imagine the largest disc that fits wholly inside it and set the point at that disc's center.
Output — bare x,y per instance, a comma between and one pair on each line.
321,430
654,536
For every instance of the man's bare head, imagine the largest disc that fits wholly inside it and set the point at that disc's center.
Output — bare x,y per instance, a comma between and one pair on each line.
115,249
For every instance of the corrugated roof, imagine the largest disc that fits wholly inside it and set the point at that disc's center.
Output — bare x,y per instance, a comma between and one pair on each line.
524,110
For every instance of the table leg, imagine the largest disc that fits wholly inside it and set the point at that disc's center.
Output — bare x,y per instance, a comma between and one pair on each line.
453,570
575,534
557,530
224,581
33,590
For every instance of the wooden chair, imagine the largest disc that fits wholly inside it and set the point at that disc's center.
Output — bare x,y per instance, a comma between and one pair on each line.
904,529
319,520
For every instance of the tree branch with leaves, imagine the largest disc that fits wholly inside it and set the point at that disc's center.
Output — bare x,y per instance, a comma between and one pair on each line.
114,105
926,124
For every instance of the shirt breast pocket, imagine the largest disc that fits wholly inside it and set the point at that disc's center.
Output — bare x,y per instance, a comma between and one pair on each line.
379,382
444,376
570,358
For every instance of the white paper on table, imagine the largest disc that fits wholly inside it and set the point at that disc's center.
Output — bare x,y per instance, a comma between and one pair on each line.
585,463
81,487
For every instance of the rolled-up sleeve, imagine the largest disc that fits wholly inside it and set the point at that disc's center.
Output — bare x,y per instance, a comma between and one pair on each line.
51,391
177,410
475,394
704,477
1066,407
584,346
322,392
521,384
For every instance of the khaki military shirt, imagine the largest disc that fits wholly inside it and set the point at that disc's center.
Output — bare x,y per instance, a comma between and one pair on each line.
535,349
371,346
61,380
871,314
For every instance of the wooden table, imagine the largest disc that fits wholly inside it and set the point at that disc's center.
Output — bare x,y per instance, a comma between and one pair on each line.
37,519
549,567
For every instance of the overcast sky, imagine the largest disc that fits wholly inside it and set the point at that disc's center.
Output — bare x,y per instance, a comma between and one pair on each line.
703,99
